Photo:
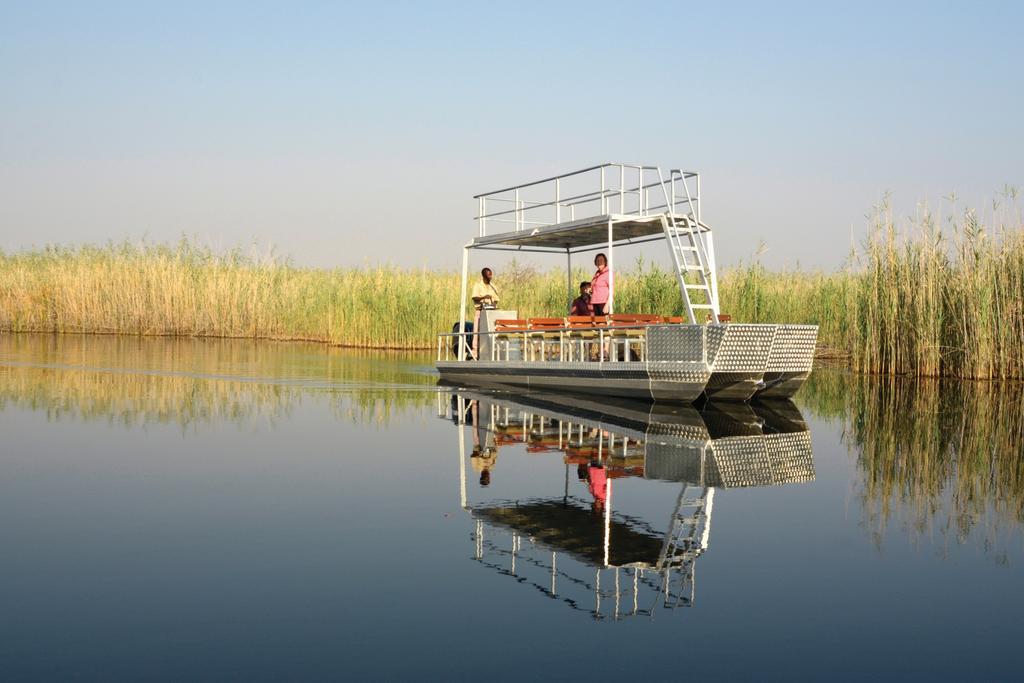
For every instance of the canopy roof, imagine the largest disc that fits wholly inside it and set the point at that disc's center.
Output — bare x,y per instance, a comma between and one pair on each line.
583,234
567,526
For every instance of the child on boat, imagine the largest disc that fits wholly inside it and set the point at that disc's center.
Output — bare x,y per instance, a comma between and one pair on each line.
581,304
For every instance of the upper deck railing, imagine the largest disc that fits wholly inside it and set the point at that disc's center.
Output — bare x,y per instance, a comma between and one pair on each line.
607,189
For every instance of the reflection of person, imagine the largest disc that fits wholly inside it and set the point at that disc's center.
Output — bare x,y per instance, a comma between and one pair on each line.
581,304
484,295
597,478
456,417
485,449
600,297
483,463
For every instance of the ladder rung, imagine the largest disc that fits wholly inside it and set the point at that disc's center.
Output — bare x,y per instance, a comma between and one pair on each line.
682,248
693,286
708,306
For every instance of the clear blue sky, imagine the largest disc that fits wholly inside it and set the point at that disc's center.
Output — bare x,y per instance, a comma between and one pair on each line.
351,133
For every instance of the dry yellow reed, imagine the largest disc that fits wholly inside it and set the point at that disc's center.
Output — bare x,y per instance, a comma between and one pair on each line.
937,297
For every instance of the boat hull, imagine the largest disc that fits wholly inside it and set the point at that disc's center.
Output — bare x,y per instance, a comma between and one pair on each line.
766,443
628,380
790,360
682,363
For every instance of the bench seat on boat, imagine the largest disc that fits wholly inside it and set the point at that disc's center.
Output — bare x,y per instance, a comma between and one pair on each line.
504,330
630,334
543,331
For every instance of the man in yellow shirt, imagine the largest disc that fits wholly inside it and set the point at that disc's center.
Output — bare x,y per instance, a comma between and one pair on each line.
484,295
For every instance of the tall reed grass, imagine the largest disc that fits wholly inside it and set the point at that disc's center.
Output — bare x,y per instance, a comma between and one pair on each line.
930,296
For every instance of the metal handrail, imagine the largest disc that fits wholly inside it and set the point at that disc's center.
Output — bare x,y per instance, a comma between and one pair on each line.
563,176
604,332
638,167
614,192
596,328
585,198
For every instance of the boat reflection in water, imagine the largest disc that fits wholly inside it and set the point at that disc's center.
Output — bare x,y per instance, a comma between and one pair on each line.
584,551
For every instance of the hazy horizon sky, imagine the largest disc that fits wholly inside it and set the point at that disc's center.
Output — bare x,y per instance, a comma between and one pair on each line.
345,134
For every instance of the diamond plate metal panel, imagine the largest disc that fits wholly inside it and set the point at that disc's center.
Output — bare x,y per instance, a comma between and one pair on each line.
739,461
743,348
673,463
793,348
768,460
714,335
791,456
667,433
676,343
687,372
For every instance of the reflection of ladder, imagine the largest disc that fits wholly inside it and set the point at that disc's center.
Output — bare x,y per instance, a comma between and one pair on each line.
689,255
686,538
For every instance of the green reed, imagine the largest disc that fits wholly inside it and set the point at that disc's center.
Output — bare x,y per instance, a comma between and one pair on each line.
928,296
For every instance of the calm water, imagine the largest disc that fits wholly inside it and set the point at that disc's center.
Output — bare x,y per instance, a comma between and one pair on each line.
234,510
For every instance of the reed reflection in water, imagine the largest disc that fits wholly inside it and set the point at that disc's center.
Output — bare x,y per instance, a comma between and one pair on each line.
141,380
936,457
310,515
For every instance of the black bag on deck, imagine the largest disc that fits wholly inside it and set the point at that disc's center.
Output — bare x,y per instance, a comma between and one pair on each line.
465,340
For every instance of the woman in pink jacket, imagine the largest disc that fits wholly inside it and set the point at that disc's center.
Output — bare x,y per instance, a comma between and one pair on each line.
600,285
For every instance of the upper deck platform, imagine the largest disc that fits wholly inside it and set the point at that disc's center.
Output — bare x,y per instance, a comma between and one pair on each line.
587,209
582,234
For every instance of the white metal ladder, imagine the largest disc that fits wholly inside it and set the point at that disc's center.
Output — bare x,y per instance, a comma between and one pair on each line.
686,540
689,254
689,527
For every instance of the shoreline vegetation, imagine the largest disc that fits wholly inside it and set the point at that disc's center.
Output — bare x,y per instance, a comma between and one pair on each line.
929,297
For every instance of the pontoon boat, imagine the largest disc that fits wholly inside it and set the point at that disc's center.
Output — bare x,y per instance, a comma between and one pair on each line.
628,354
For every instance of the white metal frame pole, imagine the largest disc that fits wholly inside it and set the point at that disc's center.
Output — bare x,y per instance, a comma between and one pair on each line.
611,271
558,200
697,185
607,518
622,189
462,456
709,248
568,277
709,503
462,304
